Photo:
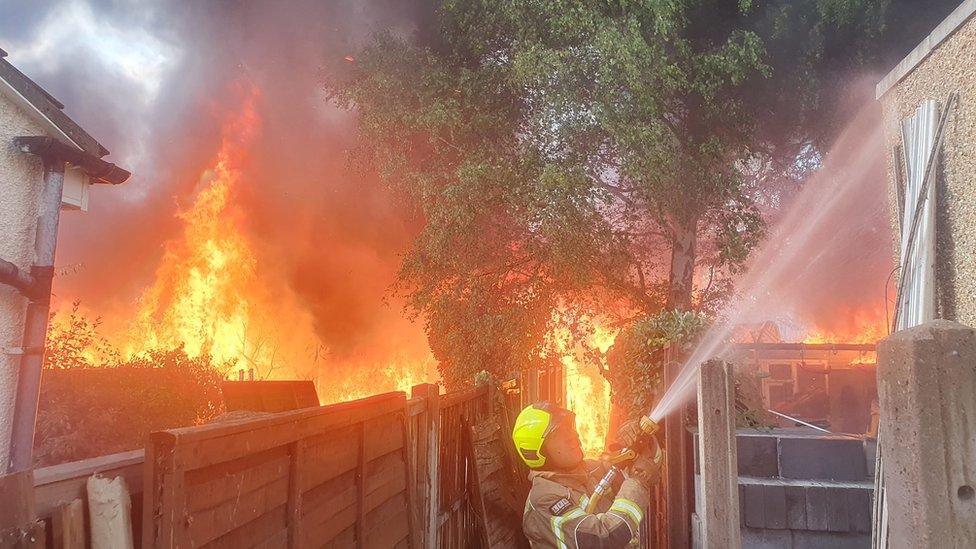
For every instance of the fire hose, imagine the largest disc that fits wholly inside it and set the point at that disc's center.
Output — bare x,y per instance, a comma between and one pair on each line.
626,456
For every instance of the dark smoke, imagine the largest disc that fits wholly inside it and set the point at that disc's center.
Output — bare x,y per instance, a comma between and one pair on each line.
332,233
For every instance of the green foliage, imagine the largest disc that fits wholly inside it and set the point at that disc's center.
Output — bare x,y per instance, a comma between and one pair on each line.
73,341
556,150
636,360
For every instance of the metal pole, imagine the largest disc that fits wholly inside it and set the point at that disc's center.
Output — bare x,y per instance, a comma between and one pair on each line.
35,322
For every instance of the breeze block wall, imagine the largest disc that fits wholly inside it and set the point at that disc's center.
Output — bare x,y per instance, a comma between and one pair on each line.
21,182
950,65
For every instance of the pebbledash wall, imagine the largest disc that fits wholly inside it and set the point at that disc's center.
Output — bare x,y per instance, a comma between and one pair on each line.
944,62
21,182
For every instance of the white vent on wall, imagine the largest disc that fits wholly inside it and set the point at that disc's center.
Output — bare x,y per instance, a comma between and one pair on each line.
75,194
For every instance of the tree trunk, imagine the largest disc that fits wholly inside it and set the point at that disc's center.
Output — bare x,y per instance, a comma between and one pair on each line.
681,279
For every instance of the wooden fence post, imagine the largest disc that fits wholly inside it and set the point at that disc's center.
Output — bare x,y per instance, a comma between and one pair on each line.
296,466
68,525
926,388
719,473
429,431
678,464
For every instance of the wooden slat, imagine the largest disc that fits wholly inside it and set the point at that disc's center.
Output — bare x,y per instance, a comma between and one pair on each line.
415,407
363,409
265,434
361,489
68,526
267,526
321,532
17,500
272,467
460,397
383,435
59,484
328,460
389,523
342,540
328,498
296,471
214,522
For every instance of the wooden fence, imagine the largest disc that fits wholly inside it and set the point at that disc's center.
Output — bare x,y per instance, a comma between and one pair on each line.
336,474
443,466
383,471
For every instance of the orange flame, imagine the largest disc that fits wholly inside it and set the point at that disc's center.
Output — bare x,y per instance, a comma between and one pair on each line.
211,295
587,391
851,326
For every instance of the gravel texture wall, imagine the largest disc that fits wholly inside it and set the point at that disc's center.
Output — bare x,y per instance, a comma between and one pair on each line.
21,179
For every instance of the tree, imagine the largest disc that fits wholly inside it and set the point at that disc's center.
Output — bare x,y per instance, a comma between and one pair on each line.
572,159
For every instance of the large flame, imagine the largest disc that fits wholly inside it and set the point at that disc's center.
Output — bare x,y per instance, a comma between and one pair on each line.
213,296
587,391
850,325
200,298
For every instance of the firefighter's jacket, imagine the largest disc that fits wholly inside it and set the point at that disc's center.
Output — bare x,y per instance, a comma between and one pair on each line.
555,516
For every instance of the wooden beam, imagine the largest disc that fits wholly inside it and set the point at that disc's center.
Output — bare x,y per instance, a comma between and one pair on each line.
430,474
63,483
719,474
68,526
678,465
361,490
17,500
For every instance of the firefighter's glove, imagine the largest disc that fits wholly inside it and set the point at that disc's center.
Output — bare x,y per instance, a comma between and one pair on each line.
628,434
646,468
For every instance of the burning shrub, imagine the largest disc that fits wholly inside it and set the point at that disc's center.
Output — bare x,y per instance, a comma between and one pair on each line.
89,408
73,341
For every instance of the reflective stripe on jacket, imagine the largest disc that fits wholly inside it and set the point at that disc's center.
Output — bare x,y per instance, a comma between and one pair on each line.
555,517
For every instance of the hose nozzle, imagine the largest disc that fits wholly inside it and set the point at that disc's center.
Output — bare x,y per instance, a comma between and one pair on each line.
649,426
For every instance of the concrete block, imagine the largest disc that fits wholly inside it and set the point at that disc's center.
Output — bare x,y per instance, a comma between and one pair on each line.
822,459
753,538
825,540
926,387
753,506
817,508
757,456
859,501
838,511
796,507
774,506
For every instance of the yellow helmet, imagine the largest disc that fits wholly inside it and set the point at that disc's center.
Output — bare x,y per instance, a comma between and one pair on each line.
532,426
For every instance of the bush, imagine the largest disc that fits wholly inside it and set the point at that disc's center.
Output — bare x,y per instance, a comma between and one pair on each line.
93,403
636,360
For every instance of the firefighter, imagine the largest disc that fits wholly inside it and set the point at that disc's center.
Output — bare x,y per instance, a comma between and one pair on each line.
546,439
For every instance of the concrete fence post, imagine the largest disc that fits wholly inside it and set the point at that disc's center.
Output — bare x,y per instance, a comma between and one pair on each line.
927,394
719,469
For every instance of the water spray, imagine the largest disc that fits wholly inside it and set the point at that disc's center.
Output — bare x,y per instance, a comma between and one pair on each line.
833,223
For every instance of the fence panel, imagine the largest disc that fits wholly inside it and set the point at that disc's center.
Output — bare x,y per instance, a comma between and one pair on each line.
457,522
337,474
